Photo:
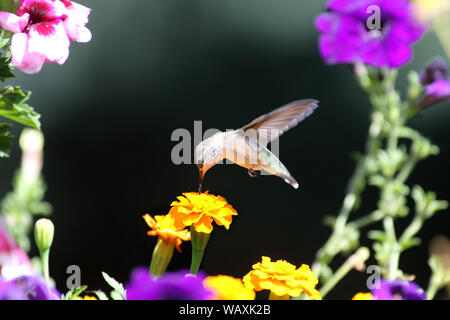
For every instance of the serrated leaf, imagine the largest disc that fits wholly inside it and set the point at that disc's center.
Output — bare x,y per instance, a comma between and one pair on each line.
13,106
5,139
117,286
5,68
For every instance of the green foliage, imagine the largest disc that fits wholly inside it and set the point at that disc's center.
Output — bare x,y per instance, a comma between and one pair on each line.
119,292
5,67
13,101
5,139
426,203
13,106
101,295
440,275
9,5
21,204
393,150
74,293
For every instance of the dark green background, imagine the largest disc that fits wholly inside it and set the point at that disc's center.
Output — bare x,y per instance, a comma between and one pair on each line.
155,66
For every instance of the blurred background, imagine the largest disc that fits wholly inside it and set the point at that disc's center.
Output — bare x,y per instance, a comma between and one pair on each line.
155,66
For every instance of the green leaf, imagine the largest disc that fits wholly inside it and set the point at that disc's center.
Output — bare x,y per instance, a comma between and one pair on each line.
377,235
9,5
116,295
74,292
5,139
117,286
413,242
5,68
101,295
13,106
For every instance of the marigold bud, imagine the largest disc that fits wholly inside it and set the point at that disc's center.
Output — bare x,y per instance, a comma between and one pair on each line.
44,231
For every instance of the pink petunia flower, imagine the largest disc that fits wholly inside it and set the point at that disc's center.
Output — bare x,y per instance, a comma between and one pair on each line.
42,31
14,261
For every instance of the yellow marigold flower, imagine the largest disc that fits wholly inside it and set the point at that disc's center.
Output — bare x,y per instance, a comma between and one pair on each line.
282,279
228,288
84,298
363,296
164,227
200,209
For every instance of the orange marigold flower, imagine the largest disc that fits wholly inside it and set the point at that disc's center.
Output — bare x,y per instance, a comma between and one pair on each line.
164,227
282,279
200,209
228,288
363,296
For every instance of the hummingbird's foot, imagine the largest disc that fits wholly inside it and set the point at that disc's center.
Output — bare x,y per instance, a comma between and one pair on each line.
254,173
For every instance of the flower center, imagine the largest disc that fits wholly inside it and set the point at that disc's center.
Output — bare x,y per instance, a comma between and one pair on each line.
41,18
38,12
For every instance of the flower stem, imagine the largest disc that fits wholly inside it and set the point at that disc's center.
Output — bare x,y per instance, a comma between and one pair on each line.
432,290
355,187
355,261
412,229
407,169
199,242
162,254
394,256
366,220
335,278
45,254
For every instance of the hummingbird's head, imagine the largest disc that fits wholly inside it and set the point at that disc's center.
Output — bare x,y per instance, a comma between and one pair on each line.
206,155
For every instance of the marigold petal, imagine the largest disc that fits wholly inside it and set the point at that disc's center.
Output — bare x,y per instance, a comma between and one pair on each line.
149,220
282,278
204,225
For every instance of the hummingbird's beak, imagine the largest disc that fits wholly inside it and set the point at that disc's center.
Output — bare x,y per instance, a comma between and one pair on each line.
201,173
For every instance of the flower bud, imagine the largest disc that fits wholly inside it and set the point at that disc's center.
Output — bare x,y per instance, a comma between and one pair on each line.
32,143
358,259
44,231
415,88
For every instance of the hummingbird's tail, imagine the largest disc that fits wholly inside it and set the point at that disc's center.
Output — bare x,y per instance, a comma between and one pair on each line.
289,179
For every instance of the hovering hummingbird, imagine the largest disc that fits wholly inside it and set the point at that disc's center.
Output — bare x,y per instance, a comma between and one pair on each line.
247,146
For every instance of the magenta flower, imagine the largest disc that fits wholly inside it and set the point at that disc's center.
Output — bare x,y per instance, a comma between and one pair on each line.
346,37
42,31
27,288
170,286
398,290
14,261
436,80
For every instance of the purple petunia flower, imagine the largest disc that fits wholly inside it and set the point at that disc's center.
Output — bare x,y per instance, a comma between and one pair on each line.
170,286
27,288
436,80
398,290
346,37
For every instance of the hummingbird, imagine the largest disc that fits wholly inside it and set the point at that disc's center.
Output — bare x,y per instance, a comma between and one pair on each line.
247,146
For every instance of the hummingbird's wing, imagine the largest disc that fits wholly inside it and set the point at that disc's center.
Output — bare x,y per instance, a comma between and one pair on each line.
272,125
